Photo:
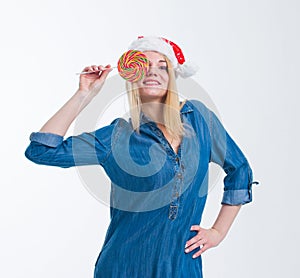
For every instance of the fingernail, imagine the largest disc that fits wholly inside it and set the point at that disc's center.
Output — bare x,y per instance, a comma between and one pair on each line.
194,256
187,250
186,246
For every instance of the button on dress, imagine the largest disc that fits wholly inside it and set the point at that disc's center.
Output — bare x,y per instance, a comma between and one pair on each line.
156,194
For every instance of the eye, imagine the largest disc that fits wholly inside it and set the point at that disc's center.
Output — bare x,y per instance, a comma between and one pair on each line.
163,68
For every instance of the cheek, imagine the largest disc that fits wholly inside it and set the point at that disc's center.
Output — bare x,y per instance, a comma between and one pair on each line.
166,79
139,84
165,75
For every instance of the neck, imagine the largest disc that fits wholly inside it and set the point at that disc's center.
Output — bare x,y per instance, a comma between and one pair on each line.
154,110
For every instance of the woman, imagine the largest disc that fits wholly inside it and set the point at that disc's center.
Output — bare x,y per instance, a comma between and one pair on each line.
158,166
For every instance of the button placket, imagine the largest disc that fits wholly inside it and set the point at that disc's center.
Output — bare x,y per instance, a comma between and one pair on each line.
179,168
176,191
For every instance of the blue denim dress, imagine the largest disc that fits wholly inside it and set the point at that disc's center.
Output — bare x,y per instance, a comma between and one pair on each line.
156,194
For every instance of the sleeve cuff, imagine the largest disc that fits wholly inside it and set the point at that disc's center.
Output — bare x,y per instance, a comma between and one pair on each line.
48,139
237,197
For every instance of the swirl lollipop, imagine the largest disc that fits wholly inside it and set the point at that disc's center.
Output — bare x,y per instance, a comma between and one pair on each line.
133,65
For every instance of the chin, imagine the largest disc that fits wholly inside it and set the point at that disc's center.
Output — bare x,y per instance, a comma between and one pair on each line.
153,92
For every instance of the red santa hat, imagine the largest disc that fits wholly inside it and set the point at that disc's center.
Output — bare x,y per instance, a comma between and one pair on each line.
171,50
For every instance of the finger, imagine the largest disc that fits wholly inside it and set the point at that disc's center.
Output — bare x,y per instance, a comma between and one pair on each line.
86,68
197,244
89,69
106,70
95,68
195,228
102,68
197,237
200,252
108,67
192,241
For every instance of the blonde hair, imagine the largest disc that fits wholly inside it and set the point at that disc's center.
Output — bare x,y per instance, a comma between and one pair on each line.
171,117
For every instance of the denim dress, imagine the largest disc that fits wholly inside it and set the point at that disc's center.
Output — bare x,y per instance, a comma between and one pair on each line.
156,193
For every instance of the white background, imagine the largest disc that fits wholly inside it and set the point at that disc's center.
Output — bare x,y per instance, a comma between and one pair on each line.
248,53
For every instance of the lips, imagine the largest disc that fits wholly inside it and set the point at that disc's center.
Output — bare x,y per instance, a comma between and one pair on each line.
151,82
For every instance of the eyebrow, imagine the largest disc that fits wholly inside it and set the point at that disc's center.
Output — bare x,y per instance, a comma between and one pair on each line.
159,61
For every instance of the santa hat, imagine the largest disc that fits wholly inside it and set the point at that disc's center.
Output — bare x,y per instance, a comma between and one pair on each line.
169,49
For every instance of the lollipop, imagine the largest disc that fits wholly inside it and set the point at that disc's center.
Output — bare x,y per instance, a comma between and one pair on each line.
133,65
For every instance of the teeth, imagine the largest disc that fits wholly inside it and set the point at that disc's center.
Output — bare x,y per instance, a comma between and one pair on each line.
151,83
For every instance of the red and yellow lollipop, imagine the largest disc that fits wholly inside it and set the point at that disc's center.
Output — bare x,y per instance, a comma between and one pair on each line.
133,65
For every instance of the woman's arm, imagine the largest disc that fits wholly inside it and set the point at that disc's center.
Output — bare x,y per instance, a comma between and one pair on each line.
89,86
48,147
208,238
237,183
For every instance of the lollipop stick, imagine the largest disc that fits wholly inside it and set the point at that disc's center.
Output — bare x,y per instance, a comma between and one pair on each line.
88,72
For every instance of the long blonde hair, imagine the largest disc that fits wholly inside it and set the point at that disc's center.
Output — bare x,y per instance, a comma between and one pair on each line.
172,119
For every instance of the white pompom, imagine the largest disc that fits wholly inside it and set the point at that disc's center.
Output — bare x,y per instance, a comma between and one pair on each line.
187,69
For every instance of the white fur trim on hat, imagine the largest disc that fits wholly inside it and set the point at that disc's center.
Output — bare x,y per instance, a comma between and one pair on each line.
185,70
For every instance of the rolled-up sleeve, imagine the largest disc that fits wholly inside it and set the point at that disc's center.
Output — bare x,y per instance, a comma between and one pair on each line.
48,139
225,152
89,148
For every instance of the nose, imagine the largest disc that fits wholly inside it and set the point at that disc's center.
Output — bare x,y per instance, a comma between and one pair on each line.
151,71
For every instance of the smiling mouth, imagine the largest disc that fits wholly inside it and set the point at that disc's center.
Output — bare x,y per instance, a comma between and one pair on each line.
151,83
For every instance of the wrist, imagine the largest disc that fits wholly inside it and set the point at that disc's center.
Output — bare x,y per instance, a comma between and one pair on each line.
84,95
220,232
